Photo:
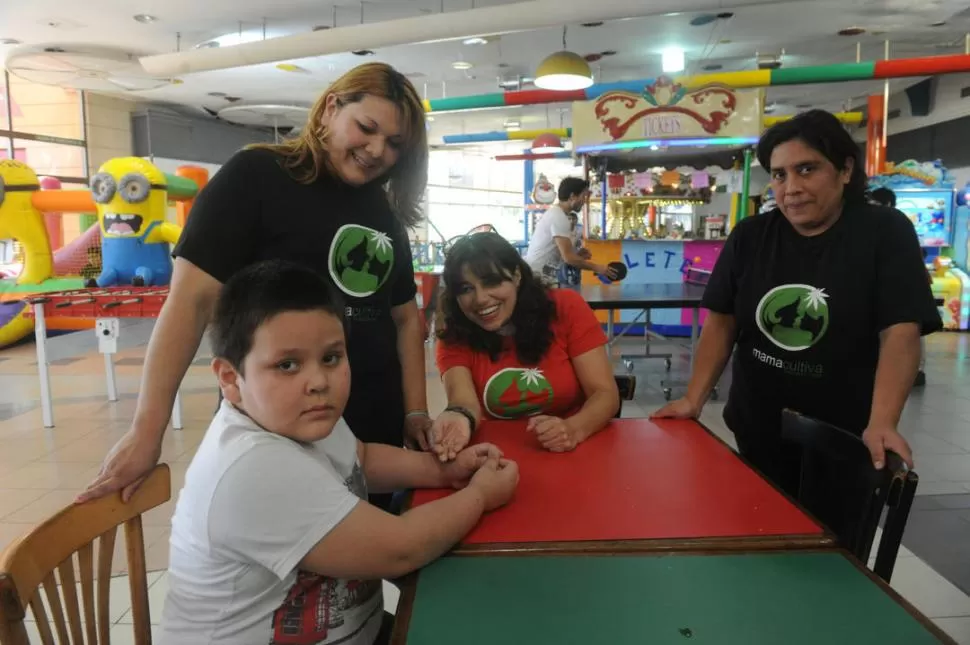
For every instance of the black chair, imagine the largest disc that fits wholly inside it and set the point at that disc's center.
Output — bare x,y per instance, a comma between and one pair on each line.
627,385
840,486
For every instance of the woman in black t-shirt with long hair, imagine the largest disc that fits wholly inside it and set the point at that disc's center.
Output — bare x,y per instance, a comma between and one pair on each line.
338,198
822,300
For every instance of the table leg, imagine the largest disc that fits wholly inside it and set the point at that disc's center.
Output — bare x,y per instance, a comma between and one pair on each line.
177,410
109,373
695,321
609,325
43,369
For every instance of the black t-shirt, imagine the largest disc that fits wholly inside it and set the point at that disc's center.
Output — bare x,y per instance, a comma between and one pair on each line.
809,311
253,210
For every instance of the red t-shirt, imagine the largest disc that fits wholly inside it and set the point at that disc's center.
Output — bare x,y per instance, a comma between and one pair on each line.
509,390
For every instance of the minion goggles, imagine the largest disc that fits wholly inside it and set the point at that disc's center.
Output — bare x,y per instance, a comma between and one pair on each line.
133,187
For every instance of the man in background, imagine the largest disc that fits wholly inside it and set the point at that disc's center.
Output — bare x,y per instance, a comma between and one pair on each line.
552,243
886,197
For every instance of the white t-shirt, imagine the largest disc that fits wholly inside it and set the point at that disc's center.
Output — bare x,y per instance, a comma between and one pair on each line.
543,255
254,504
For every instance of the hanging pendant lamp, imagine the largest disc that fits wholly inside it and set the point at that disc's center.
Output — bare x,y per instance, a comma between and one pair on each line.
546,143
563,71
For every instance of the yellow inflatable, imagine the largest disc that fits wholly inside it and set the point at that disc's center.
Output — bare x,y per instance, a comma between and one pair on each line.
20,220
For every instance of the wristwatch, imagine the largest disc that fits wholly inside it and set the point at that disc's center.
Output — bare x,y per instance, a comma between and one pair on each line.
465,412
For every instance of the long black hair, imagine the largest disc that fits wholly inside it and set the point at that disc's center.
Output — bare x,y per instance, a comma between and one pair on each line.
492,259
821,131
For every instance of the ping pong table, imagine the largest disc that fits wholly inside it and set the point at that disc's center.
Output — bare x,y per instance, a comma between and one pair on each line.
643,298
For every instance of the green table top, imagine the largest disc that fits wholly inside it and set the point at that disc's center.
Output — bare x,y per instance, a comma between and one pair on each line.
741,599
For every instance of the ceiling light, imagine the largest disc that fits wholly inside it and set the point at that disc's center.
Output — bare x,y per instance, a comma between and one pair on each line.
851,31
462,64
703,19
713,67
144,18
362,52
673,60
512,126
9,41
546,143
598,23
725,15
563,71
477,40
941,23
217,94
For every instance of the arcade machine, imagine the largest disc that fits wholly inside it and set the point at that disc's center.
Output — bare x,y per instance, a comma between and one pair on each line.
925,193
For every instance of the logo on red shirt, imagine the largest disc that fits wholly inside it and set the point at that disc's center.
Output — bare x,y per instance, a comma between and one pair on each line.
516,392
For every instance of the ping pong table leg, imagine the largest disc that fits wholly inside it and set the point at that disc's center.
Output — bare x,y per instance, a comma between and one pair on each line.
43,369
695,320
609,325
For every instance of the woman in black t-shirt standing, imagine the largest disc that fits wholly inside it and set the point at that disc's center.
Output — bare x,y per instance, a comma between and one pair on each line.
337,198
823,300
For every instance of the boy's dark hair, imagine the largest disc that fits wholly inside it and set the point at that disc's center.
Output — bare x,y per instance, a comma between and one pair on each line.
257,293
491,258
571,186
823,132
884,197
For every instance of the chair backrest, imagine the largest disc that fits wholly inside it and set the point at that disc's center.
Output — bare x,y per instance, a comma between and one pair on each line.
65,543
841,487
627,385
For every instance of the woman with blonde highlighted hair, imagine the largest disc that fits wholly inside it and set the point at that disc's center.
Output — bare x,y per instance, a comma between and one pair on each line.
338,198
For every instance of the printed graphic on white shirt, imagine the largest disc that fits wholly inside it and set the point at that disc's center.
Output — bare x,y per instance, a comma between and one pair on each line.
319,609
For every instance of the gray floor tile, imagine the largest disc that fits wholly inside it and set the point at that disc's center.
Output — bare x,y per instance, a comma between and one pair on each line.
133,360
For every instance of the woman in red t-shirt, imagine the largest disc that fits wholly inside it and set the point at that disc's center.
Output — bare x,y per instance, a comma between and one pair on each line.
510,348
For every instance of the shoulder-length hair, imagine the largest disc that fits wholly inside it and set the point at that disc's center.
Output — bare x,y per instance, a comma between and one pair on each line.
491,259
305,156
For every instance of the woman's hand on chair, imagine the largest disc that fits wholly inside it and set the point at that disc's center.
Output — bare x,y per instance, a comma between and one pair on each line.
879,439
449,435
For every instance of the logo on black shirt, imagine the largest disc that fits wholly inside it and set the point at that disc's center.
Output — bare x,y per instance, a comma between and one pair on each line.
793,316
360,260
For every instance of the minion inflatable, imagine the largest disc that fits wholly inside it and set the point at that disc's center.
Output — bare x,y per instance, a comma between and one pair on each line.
130,194
19,219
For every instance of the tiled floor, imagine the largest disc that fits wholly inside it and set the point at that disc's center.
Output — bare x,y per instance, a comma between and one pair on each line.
41,469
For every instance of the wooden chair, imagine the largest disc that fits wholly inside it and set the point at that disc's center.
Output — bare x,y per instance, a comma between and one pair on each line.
627,385
29,564
840,486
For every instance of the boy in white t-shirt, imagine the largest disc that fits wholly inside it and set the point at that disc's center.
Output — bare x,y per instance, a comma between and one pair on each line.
552,243
273,540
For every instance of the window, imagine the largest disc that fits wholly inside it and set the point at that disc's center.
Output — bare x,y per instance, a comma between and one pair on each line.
43,126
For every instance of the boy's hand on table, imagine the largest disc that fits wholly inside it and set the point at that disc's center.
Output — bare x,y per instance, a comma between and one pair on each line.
459,471
450,433
555,434
496,481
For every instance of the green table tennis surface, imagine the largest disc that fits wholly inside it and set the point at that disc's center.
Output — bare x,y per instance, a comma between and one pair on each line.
741,599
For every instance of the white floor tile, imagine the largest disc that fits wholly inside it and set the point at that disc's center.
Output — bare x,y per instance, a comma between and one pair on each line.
931,593
957,628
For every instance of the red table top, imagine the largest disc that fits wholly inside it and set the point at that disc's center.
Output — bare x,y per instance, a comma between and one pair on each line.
637,479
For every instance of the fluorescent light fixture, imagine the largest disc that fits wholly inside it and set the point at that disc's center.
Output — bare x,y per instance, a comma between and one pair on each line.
462,64
668,143
477,40
673,60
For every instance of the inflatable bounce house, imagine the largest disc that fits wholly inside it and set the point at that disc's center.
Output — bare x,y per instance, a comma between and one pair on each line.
925,192
126,232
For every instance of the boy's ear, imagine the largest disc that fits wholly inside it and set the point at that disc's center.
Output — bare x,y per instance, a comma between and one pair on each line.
228,379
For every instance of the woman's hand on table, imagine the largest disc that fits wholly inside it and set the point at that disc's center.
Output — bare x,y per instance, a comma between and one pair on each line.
460,470
555,434
450,433
679,409
879,439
